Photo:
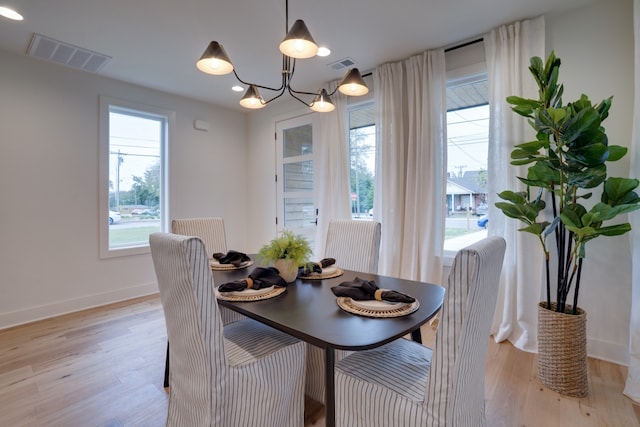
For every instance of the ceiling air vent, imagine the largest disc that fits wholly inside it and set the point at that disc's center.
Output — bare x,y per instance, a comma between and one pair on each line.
66,54
342,64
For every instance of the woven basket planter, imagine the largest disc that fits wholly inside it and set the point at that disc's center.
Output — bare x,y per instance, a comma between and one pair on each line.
562,350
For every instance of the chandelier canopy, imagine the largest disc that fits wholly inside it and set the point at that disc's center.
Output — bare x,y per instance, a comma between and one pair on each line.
298,44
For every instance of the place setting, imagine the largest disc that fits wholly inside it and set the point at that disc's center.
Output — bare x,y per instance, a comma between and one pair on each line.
365,298
232,260
262,283
323,269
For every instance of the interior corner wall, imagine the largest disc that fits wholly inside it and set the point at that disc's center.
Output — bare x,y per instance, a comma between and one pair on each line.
595,45
49,253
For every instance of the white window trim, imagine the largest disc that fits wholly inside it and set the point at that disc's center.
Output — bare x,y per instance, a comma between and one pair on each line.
103,174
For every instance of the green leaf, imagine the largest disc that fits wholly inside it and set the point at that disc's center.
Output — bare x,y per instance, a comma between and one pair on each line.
535,228
617,190
615,230
557,114
519,198
586,120
532,146
512,211
587,178
591,155
616,153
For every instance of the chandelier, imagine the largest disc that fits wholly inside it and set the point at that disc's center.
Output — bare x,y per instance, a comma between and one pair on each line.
298,44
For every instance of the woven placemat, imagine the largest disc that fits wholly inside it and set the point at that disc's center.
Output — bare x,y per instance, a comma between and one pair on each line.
347,305
215,265
319,276
230,296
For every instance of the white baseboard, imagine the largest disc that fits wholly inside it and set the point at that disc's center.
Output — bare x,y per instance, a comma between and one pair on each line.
33,314
608,351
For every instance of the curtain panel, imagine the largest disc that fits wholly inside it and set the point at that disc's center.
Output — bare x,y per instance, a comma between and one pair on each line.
508,50
332,158
410,182
632,386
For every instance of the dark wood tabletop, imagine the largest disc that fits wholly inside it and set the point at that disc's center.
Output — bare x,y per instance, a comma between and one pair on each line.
308,311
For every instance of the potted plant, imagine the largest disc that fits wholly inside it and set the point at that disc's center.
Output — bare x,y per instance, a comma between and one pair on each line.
567,164
287,253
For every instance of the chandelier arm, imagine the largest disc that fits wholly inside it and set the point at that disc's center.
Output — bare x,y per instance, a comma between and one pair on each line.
282,91
281,88
293,95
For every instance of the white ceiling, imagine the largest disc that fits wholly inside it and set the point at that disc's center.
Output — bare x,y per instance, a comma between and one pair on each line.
155,43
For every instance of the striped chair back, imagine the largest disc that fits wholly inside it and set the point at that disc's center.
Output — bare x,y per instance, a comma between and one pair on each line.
210,230
455,390
194,328
354,244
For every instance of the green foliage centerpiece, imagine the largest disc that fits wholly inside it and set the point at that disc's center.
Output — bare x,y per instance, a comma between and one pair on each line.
567,163
287,253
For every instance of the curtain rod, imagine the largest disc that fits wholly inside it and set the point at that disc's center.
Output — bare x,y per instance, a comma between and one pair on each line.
469,43
449,49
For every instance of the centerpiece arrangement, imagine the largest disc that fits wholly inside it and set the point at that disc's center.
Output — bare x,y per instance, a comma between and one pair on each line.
567,165
287,252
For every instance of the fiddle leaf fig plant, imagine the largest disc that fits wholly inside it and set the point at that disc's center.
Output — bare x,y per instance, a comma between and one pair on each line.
567,165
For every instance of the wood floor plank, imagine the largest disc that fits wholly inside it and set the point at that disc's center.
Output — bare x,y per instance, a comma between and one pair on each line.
104,367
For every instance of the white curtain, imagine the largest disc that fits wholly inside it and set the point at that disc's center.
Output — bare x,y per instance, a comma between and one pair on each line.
331,158
410,182
632,387
508,50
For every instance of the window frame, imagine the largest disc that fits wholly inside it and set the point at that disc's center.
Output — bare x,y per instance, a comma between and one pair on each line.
142,110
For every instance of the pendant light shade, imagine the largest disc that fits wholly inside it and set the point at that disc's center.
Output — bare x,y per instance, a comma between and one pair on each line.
252,99
215,60
353,84
322,102
298,43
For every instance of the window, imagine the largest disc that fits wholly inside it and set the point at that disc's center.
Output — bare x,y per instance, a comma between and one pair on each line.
362,151
133,203
467,144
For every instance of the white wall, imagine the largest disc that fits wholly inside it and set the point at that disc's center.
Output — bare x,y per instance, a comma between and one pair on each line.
49,260
595,44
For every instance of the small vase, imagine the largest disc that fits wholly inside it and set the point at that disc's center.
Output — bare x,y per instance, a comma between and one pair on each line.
287,268
562,350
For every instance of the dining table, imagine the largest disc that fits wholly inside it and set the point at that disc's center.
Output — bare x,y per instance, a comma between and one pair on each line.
308,310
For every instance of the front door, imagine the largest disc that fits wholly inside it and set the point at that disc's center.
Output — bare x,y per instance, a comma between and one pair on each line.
295,190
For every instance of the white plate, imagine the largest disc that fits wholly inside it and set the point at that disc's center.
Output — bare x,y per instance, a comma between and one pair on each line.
376,305
330,270
252,292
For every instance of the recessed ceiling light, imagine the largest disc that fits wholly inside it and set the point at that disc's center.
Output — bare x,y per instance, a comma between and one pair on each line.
10,13
237,88
323,51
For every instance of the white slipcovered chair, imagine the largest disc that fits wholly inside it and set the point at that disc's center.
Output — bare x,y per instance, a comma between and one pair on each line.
211,231
356,246
245,374
406,384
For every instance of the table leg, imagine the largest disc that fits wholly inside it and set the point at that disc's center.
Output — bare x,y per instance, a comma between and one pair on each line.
329,387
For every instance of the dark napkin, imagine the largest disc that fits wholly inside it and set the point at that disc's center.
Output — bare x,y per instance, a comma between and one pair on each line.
260,278
361,290
232,257
315,267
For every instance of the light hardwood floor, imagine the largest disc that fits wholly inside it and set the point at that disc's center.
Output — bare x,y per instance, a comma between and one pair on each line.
104,367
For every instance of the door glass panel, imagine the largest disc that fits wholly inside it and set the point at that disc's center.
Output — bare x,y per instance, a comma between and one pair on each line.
298,176
298,141
299,213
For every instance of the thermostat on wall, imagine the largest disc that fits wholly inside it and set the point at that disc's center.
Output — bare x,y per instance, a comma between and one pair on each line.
201,125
